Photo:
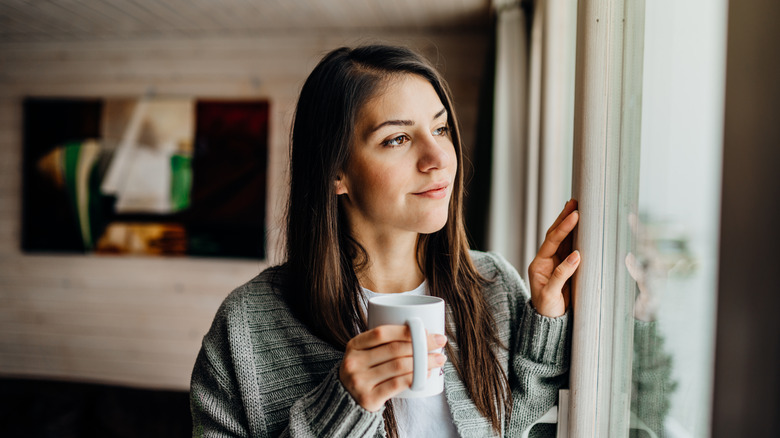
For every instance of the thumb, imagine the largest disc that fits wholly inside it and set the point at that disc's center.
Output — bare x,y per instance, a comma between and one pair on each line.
564,271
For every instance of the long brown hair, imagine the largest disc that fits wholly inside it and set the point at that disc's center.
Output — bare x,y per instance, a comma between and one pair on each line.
322,257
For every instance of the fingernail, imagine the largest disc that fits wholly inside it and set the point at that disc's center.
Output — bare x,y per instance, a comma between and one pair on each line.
573,258
440,339
440,359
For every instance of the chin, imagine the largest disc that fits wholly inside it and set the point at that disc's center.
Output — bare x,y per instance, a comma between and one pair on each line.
433,225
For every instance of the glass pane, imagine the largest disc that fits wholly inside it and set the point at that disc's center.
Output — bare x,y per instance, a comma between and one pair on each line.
673,257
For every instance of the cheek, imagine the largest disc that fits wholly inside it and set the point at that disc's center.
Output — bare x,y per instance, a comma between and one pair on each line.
385,184
377,184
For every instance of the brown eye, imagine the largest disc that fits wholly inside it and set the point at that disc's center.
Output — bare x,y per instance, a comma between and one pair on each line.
396,141
444,130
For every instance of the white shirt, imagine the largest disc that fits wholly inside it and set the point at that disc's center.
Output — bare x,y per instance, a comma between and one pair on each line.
420,417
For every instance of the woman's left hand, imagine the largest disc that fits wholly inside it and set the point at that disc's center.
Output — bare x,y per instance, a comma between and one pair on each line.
554,264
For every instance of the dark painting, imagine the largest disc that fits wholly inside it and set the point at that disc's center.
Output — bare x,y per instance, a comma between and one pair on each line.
165,177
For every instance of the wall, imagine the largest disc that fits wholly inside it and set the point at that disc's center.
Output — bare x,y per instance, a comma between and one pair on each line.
139,321
747,352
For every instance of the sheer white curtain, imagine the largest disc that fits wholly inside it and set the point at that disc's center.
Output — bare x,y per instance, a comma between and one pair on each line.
532,125
506,219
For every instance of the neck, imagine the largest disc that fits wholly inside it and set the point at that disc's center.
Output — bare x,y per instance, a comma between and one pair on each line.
392,266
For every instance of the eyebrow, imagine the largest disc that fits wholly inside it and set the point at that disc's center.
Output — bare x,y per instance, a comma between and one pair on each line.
404,122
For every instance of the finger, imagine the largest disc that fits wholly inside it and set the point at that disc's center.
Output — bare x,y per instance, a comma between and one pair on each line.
554,238
565,247
399,367
380,335
383,353
564,271
396,349
634,268
392,387
569,207
436,341
403,365
392,333
435,360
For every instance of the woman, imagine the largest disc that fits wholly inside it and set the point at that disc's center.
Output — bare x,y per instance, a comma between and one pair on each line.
375,207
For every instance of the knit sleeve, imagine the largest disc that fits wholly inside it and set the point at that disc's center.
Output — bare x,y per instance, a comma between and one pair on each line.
539,351
329,411
540,364
229,398
215,403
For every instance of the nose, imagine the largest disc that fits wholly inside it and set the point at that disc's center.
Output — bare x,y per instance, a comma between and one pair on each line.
435,153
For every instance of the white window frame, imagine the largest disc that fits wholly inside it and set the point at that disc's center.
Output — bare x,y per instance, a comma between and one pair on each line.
605,176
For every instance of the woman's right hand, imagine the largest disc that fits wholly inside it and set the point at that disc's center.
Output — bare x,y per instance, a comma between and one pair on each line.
378,364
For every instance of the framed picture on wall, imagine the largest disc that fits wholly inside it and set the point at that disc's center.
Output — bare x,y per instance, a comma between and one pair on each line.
149,176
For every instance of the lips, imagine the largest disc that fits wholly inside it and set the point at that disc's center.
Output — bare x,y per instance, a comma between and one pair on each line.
434,191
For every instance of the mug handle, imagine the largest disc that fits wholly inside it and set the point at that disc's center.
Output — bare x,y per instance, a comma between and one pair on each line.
419,352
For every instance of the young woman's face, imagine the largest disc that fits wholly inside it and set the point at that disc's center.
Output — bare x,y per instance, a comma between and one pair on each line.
402,167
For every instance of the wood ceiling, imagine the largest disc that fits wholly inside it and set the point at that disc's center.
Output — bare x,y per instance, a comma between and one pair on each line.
59,20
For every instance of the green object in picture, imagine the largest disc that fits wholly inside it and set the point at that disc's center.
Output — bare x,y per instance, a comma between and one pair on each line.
77,167
181,181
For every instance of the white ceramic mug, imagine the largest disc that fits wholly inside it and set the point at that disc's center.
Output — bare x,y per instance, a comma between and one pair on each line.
420,313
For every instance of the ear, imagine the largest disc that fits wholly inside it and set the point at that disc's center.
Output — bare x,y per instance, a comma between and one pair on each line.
341,187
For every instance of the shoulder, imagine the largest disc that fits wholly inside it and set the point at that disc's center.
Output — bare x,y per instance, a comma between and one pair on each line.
494,267
265,287
503,284
262,294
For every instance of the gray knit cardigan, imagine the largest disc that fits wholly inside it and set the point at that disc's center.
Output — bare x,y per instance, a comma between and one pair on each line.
262,373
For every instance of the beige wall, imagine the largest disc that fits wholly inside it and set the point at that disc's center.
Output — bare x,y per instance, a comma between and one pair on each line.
139,321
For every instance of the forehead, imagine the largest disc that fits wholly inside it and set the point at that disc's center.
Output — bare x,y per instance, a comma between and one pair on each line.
405,97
